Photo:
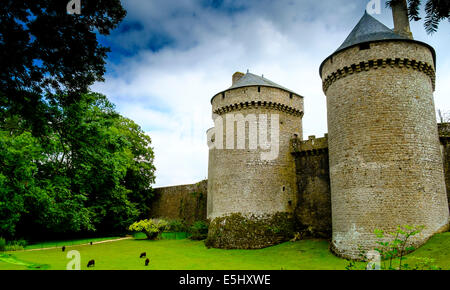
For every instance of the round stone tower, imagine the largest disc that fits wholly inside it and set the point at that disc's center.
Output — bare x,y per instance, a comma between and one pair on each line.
251,172
385,163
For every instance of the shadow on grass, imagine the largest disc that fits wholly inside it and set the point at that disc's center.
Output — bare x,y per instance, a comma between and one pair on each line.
11,259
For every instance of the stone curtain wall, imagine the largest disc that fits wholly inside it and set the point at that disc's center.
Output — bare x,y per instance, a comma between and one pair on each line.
444,136
313,210
186,202
312,213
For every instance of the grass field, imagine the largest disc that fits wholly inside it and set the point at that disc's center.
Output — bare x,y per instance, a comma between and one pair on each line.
193,255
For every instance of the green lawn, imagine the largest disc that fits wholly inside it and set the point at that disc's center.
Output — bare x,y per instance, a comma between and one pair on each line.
187,255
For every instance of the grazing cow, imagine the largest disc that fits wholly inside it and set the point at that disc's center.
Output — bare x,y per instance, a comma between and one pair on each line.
91,243
143,255
63,248
147,261
91,263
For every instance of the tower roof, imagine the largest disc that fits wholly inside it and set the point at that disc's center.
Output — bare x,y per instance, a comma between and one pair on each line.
249,80
369,29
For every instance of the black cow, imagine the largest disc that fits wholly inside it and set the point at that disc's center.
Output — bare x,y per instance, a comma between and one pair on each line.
143,255
91,263
147,261
63,248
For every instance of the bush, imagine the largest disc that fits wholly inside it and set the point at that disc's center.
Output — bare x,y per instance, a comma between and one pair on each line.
15,245
199,230
150,227
176,225
2,244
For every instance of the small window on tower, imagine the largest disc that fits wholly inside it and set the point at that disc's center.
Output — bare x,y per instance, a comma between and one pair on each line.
364,46
290,95
259,89
223,95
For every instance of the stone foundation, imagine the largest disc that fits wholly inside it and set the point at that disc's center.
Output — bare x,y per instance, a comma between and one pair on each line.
236,231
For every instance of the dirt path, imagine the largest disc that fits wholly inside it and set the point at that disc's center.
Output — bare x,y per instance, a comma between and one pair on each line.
87,244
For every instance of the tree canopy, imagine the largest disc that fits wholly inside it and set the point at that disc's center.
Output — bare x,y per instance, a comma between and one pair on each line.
95,174
435,12
68,161
49,56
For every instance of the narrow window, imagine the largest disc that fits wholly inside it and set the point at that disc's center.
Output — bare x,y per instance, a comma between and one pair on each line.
290,95
364,46
259,89
223,95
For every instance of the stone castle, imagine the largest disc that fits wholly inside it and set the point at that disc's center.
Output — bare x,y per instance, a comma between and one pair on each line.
383,163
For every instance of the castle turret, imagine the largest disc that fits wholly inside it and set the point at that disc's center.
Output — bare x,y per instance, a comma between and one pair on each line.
385,162
251,172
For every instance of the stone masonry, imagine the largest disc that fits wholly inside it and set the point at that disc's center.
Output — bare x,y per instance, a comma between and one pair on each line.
313,209
384,162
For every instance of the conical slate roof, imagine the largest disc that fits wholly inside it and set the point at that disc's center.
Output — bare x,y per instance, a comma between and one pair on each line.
250,79
369,29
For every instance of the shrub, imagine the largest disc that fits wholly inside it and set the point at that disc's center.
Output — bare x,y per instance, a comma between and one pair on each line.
393,247
21,243
15,245
2,244
397,244
199,230
176,225
150,227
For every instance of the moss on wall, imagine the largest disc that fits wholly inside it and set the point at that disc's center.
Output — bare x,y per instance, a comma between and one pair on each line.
236,231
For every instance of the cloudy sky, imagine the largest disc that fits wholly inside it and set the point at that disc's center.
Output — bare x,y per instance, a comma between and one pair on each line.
169,57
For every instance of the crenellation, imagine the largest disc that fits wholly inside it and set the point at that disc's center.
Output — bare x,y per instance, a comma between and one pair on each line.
367,65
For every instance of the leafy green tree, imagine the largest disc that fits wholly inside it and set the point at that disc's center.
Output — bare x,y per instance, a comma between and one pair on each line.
49,56
140,174
92,171
110,161
435,10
